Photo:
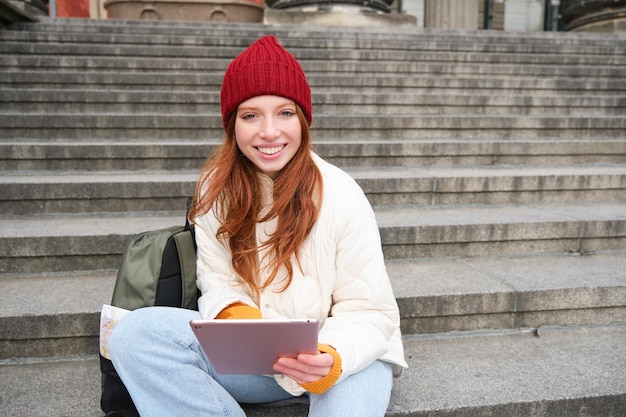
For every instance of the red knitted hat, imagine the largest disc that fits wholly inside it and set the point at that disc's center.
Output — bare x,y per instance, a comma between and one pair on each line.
265,68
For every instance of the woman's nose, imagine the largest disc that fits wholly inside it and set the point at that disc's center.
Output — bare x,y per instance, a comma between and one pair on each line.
269,129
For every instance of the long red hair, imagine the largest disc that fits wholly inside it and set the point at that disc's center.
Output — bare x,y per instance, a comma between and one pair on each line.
229,184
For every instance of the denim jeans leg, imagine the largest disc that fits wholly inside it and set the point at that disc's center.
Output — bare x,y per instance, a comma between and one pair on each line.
364,394
167,374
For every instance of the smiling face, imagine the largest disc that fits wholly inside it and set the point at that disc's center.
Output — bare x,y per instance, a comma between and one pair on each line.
268,132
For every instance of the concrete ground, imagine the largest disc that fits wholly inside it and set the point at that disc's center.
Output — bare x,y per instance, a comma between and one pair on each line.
540,372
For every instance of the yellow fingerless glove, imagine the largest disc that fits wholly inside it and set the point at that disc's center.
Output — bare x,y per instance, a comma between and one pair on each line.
240,311
324,384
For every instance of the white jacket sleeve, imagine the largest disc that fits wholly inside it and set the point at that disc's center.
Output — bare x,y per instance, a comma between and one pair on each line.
217,282
364,319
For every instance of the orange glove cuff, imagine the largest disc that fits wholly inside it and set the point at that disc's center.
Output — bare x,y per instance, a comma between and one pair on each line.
240,311
324,384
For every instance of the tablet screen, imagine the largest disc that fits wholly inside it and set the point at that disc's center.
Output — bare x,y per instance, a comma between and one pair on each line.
253,346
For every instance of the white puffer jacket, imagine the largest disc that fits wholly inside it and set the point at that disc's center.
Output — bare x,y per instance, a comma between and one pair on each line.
344,285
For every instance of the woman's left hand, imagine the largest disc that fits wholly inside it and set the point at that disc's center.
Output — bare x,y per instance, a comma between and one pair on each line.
306,367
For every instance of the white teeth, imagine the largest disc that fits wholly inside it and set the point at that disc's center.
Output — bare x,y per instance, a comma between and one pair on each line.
270,151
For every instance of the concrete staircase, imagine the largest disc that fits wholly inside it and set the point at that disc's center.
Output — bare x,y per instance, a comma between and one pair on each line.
496,163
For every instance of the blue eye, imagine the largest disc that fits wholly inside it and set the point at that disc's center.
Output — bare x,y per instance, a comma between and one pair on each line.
287,113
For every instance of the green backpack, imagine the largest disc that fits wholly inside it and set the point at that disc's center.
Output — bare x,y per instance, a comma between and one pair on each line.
158,269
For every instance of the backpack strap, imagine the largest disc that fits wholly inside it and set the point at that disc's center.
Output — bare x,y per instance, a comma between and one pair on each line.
185,245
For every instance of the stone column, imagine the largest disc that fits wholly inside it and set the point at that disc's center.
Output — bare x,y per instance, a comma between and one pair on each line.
594,15
451,14
21,11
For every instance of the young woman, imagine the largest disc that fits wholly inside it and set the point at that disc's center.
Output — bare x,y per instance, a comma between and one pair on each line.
281,234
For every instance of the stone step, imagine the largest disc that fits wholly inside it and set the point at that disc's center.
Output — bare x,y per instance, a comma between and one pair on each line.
43,192
490,186
236,30
434,232
301,50
158,127
323,83
96,240
14,100
544,372
216,66
29,155
317,38
66,319
434,296
321,37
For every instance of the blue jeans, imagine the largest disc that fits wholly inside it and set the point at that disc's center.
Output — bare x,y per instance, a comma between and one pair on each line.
167,374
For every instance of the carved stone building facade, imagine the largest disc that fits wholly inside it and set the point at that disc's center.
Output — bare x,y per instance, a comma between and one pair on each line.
508,15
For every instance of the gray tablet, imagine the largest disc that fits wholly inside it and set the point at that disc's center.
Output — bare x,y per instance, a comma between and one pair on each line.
253,346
